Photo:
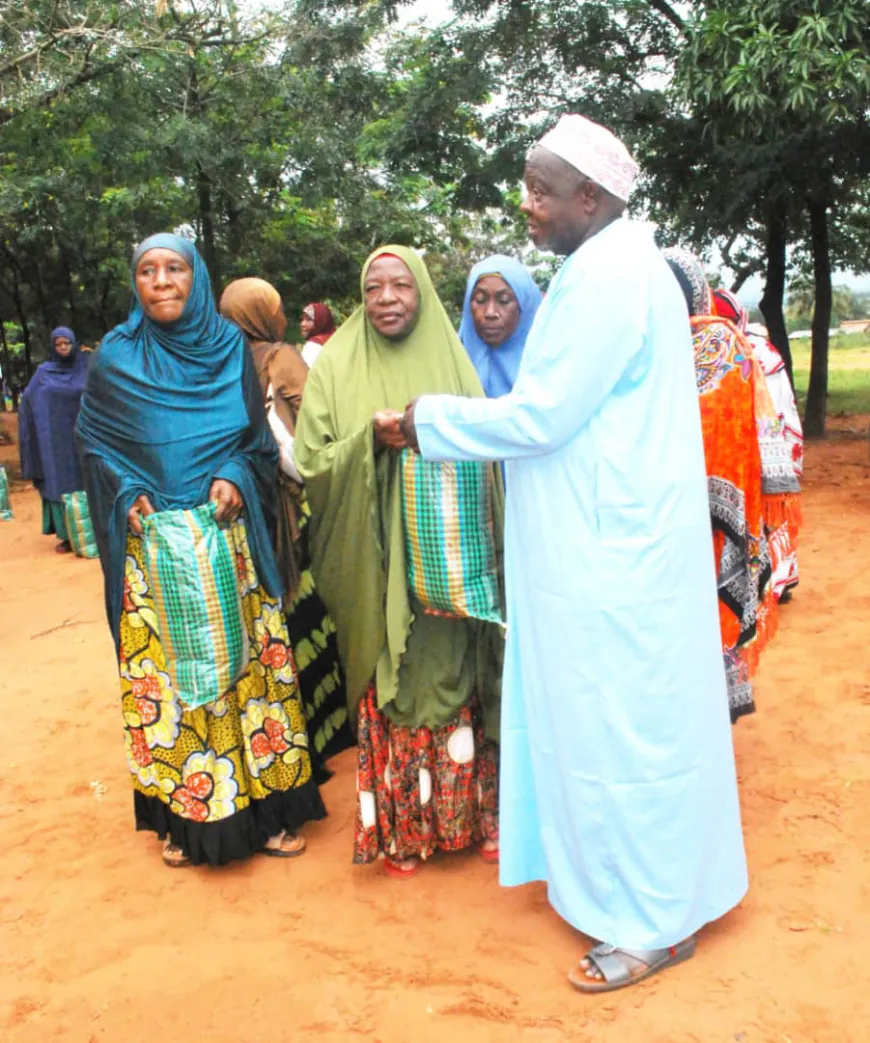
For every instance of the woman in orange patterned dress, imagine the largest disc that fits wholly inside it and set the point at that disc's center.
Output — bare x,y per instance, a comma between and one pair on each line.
781,449
727,378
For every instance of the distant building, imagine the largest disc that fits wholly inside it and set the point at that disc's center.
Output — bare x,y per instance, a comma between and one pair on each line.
855,326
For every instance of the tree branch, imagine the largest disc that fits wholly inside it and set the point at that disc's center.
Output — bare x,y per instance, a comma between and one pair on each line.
85,75
663,7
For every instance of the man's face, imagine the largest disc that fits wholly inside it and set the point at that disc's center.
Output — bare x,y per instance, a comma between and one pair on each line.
558,206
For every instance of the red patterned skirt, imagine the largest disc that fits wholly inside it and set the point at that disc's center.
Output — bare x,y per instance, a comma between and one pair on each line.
421,789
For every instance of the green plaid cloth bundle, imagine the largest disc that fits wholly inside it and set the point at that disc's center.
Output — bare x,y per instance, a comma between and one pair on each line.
192,575
79,527
5,504
449,542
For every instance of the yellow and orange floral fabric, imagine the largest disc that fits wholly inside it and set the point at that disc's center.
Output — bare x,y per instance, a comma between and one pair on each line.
209,762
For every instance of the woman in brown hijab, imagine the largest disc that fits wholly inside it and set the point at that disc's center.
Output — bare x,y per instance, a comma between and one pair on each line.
254,305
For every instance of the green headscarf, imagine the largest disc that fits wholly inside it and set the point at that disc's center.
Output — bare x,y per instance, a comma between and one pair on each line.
357,538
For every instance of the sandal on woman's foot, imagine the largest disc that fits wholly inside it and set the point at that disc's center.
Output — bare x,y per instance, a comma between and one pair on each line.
174,856
401,869
606,968
63,547
285,845
488,854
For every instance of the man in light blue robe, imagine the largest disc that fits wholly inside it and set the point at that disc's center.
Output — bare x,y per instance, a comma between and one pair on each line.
618,785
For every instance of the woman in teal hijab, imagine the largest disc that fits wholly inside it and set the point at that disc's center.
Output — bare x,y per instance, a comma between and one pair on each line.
173,417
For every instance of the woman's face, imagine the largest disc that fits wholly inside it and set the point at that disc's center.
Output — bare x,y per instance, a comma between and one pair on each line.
306,323
495,310
391,297
63,346
163,281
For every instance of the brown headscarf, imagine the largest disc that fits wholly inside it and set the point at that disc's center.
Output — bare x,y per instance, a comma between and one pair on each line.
255,307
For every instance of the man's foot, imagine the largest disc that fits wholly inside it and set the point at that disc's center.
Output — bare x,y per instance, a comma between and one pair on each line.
489,851
174,856
285,845
401,868
605,967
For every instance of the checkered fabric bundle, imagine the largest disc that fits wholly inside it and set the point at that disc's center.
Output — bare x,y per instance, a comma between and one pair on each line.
449,542
79,527
192,575
5,505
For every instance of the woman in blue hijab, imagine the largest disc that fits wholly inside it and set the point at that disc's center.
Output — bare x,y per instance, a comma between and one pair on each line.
46,422
501,299
173,417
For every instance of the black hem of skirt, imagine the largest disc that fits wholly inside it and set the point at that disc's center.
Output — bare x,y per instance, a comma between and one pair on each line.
741,711
238,837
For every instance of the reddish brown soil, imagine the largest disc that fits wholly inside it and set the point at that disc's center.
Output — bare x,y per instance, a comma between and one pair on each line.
99,942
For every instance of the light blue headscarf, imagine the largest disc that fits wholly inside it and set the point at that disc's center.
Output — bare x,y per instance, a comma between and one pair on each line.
498,367
168,408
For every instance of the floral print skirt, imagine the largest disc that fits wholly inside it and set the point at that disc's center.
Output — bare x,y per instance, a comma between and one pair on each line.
219,779
422,789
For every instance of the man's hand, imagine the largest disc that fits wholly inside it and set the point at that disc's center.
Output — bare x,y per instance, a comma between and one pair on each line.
409,428
386,428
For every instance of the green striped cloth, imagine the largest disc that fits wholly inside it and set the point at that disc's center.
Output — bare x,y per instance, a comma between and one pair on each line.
79,527
192,576
449,541
5,504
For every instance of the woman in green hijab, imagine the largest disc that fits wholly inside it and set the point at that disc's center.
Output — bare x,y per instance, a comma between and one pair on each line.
423,690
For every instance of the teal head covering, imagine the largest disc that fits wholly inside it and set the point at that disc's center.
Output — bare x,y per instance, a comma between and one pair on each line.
169,408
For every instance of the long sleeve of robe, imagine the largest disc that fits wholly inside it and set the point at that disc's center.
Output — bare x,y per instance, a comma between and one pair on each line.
618,785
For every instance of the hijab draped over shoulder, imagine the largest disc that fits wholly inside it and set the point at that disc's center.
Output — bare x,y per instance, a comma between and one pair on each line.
254,305
355,491
498,367
46,421
168,409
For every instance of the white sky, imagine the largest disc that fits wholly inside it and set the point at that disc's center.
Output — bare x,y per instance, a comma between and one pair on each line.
432,11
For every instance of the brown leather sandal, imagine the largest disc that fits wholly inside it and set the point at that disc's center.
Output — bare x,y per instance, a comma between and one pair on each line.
285,845
174,856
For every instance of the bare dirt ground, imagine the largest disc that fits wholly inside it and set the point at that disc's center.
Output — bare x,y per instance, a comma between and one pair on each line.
99,942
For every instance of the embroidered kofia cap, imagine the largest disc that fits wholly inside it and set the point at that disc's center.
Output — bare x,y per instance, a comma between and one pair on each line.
595,152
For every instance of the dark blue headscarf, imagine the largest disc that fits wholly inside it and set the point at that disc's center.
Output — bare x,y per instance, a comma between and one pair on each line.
47,419
168,409
498,367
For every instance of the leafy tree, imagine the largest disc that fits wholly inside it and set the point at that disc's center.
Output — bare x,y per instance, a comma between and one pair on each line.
788,86
289,143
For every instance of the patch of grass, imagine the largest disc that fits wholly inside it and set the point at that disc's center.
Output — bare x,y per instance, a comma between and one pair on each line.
848,373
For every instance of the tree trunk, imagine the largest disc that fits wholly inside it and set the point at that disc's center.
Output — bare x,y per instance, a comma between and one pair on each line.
817,395
771,303
25,330
6,367
17,279
205,203
206,227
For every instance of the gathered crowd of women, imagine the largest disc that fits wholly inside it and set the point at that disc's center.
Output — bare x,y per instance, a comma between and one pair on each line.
302,451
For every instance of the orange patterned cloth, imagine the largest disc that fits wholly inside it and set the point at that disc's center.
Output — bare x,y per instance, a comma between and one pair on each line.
727,377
